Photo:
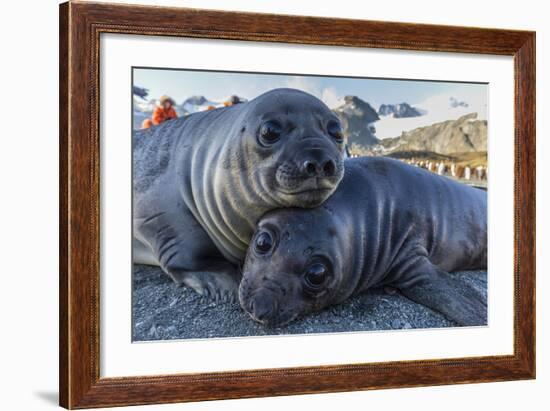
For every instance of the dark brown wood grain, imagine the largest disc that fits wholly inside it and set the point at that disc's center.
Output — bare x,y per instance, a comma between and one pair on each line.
80,27
63,205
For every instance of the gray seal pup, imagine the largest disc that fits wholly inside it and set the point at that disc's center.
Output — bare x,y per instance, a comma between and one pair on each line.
388,224
201,182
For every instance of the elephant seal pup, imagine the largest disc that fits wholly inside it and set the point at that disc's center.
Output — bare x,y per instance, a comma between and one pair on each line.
388,224
202,182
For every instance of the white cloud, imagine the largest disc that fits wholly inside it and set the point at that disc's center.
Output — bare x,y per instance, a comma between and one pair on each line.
328,95
303,83
439,106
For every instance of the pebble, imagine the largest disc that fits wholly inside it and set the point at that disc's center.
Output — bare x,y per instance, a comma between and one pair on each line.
396,324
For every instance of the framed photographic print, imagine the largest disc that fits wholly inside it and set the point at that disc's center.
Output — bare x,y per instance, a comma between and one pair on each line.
258,205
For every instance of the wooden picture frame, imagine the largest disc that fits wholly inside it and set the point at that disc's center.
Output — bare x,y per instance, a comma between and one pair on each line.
80,27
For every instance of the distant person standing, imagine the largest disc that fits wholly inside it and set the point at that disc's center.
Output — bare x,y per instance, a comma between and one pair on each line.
163,111
232,100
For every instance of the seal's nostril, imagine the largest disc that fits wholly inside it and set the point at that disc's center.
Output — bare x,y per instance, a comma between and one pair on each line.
329,168
263,309
310,168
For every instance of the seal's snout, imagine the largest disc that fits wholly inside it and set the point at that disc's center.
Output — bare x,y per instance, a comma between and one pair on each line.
318,162
314,168
263,308
270,302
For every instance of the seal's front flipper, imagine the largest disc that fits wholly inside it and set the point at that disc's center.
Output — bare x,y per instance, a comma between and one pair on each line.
436,289
218,281
179,244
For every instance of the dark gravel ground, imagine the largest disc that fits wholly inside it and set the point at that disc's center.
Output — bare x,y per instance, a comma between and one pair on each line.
163,311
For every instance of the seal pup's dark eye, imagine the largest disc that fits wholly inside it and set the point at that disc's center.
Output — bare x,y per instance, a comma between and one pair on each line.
270,132
263,243
316,275
335,130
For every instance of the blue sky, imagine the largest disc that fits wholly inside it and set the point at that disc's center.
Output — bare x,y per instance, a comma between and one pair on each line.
181,84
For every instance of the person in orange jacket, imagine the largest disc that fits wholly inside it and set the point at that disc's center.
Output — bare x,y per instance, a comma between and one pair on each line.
232,100
164,111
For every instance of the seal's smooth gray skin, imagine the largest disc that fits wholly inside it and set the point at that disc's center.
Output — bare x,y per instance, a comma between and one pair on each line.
387,224
202,182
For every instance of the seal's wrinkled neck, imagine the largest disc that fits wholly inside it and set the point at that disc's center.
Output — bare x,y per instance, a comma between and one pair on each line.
223,189
239,194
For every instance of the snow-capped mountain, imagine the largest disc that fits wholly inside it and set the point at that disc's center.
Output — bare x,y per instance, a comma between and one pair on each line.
140,91
357,117
144,106
196,103
435,109
399,110
441,126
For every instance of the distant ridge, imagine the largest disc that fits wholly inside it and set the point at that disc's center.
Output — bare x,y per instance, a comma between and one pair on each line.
357,117
399,110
